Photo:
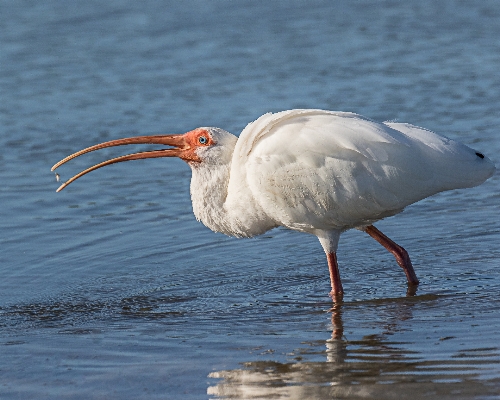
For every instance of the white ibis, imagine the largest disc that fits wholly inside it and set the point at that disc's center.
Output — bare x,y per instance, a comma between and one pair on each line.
314,171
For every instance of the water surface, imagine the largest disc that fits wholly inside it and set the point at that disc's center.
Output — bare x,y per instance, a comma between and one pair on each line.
112,290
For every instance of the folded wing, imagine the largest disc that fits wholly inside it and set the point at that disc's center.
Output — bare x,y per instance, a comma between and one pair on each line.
315,169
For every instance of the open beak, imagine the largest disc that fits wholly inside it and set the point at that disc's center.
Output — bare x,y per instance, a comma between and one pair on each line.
179,142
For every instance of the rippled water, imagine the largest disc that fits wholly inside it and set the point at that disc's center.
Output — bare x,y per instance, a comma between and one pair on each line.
111,289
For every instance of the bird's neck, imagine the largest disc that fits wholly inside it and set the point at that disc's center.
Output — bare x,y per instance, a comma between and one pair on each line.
224,206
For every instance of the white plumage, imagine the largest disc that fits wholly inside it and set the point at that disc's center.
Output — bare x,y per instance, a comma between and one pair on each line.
314,171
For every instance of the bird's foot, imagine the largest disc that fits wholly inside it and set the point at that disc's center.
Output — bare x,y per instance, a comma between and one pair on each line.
412,290
336,296
403,260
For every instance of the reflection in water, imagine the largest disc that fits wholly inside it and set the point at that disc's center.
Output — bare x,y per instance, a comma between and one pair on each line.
337,324
373,367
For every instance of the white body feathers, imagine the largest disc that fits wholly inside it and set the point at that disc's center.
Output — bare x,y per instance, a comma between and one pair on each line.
324,172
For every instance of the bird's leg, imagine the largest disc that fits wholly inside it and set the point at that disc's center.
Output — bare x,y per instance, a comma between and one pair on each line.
397,251
329,241
337,290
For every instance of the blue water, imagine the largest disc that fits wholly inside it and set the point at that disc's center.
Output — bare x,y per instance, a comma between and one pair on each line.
112,290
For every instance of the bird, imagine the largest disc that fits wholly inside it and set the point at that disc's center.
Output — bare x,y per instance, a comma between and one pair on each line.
314,171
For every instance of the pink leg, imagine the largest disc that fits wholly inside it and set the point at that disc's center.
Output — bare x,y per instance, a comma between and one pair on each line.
337,290
397,251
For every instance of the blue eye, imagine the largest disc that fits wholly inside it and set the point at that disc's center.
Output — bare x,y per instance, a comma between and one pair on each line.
202,140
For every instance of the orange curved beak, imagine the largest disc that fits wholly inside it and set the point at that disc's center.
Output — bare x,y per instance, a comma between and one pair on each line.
179,142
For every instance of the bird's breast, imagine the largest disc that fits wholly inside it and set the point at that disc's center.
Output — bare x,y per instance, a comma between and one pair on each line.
227,207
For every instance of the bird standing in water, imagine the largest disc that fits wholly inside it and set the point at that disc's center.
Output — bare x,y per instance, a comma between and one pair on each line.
314,171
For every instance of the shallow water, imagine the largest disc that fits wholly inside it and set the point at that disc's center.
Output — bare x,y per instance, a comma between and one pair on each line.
111,289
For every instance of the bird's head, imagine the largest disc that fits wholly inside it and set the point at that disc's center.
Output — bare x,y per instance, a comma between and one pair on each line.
210,146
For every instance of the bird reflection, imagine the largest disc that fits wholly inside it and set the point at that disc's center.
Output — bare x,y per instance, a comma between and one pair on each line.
336,347
346,364
337,324
352,368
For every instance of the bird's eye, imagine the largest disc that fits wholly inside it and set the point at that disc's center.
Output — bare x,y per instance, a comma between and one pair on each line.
202,140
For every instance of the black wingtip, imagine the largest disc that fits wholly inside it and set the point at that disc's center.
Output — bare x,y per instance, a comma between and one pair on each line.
480,155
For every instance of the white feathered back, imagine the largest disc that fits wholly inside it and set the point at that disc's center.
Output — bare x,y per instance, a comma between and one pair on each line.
315,169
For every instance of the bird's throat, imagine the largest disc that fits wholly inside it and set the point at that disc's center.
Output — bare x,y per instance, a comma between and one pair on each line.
232,212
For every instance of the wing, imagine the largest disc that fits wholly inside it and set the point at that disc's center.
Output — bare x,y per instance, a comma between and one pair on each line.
352,131
314,169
